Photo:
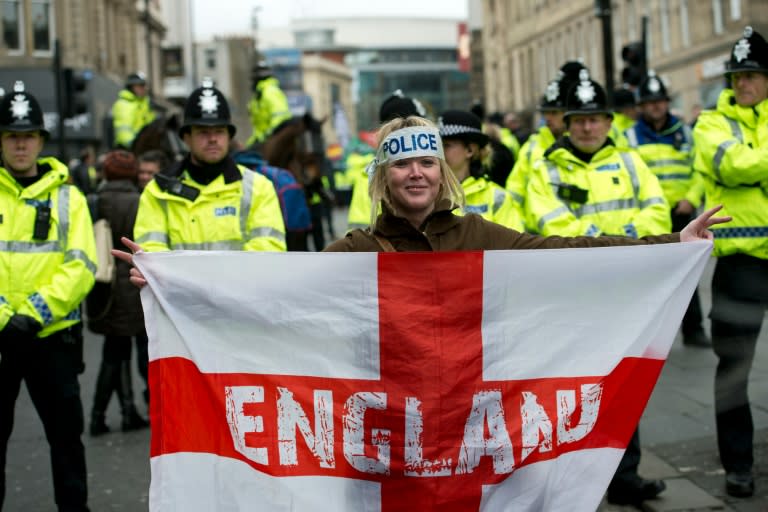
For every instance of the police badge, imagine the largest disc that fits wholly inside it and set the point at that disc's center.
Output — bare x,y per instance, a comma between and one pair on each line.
585,92
208,102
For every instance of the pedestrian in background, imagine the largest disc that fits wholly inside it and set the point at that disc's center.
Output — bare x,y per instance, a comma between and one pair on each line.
150,163
48,258
586,186
665,144
731,152
122,318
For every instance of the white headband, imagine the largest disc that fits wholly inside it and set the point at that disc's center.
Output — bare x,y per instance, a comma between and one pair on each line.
407,143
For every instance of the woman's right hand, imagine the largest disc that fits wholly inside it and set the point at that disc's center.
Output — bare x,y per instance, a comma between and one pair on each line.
137,278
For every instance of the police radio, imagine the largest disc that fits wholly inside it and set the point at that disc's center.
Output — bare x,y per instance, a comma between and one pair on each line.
42,221
572,193
175,187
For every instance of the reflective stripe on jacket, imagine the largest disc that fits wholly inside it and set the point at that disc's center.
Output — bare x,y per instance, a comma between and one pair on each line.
623,197
243,215
268,108
491,202
669,155
130,113
731,152
45,278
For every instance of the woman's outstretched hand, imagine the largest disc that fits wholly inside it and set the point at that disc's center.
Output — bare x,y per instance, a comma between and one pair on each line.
698,228
137,278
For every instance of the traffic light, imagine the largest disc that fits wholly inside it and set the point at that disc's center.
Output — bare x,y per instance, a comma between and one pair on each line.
633,55
75,92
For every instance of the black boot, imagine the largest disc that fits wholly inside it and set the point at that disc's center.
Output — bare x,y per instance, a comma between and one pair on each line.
105,384
132,420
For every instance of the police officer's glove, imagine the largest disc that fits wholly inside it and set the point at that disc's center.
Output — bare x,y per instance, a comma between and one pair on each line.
18,328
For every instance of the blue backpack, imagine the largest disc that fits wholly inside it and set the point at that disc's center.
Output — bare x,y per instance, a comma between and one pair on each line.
293,201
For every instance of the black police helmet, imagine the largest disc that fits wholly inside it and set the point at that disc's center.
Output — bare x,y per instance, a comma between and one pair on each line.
554,96
207,106
137,78
20,112
651,89
465,126
569,71
399,105
586,97
750,53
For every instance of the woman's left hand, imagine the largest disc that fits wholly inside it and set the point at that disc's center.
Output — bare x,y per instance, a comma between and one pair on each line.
698,228
137,278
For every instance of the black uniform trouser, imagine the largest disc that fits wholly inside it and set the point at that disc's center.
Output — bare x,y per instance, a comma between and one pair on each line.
49,367
142,359
739,300
692,319
626,472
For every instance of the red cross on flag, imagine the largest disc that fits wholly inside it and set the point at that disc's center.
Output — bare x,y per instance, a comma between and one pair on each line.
498,380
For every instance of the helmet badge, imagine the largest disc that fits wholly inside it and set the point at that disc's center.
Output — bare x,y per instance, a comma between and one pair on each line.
585,92
741,50
209,103
553,90
20,106
653,85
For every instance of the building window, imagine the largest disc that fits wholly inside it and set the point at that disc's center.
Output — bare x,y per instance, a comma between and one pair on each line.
42,26
12,27
735,9
210,58
717,16
685,29
664,11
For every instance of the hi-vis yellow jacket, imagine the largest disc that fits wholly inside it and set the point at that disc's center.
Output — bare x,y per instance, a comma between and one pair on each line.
359,215
731,152
45,278
614,194
268,108
669,155
237,211
130,113
517,181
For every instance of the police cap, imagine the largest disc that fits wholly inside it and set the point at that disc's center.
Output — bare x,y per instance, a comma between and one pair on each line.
207,106
20,112
652,89
399,105
137,78
622,98
750,53
586,97
465,126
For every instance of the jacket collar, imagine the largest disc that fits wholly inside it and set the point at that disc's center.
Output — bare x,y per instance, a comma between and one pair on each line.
439,221
230,170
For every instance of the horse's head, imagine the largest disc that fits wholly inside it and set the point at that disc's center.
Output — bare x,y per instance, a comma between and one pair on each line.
161,134
298,147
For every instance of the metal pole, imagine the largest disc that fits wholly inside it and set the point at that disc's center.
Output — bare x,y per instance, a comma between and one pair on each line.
59,99
644,65
193,46
603,10
148,25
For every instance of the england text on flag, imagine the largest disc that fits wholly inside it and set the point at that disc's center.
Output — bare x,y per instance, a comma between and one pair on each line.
452,382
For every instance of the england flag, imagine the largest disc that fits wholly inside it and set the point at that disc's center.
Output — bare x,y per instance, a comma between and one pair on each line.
497,380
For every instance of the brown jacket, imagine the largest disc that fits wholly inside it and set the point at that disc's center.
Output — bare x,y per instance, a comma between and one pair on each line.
444,231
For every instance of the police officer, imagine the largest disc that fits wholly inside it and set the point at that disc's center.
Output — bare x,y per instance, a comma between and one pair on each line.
666,145
731,151
132,111
552,108
268,106
584,185
395,105
207,201
624,115
466,151
48,254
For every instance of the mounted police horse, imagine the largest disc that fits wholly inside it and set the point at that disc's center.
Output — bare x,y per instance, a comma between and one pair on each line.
161,134
298,147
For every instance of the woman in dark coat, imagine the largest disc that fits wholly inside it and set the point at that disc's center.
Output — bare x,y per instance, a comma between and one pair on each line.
122,317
